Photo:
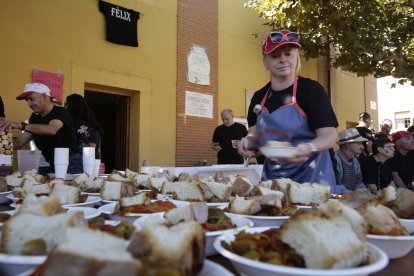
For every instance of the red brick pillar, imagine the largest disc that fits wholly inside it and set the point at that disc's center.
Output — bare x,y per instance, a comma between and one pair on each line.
197,24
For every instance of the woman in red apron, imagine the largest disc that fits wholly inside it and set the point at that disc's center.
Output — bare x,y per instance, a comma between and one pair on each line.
292,109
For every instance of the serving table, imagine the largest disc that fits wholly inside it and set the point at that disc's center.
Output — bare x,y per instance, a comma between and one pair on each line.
400,267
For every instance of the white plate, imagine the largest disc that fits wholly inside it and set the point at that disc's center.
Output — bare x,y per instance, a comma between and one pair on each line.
209,204
409,225
240,223
213,269
4,197
88,212
16,264
271,221
90,202
209,269
278,152
378,260
395,246
109,209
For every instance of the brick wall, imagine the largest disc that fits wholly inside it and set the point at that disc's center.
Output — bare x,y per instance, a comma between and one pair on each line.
370,85
197,24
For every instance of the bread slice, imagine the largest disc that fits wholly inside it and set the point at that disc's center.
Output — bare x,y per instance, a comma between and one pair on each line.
358,223
66,194
35,188
156,182
24,227
208,194
403,205
141,179
180,247
325,239
387,195
82,178
221,191
117,176
33,176
40,206
114,190
171,187
139,199
241,185
195,211
57,181
271,197
269,184
307,193
381,220
190,192
239,205
93,185
281,184
130,174
14,181
87,252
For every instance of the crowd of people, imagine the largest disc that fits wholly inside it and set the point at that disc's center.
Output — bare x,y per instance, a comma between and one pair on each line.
51,126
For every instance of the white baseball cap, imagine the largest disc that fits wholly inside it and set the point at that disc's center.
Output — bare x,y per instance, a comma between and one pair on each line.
34,87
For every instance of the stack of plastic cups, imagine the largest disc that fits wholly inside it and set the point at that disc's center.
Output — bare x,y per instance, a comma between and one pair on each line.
96,168
88,158
61,162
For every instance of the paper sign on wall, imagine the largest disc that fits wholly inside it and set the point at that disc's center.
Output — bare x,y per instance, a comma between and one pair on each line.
198,65
53,80
198,105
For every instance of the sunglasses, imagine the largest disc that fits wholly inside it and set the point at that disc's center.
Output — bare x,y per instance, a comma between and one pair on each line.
277,37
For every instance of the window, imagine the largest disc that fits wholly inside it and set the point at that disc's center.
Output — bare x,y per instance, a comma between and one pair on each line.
402,120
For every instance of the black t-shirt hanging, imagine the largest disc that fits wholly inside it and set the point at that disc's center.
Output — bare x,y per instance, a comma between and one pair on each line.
121,24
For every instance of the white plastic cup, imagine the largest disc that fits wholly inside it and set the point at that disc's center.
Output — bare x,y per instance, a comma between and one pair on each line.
89,169
234,143
61,170
97,166
27,160
61,155
88,156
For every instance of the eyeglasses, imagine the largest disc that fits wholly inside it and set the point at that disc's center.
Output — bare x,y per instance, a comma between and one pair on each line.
277,37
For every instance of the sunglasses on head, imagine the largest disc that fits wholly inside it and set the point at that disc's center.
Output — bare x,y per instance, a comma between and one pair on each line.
277,37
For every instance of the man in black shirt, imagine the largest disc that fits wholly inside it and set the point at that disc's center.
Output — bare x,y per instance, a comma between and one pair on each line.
49,127
226,137
401,163
376,170
363,129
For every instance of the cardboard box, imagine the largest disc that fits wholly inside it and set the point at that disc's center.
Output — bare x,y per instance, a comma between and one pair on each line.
6,152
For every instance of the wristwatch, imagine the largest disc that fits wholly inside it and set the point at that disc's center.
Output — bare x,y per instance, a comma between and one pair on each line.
313,147
23,126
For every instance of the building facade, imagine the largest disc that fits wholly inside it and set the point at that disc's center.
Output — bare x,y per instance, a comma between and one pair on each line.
161,101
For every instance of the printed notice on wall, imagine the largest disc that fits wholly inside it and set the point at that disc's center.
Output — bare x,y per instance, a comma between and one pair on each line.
198,65
199,105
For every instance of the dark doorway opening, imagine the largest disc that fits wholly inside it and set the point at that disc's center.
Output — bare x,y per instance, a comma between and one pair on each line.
112,113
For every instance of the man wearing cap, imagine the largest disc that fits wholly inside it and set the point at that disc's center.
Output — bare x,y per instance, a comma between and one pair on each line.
385,129
348,172
376,171
401,164
49,127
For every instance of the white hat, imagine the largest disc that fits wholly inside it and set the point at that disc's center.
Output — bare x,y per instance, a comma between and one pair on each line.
34,87
350,135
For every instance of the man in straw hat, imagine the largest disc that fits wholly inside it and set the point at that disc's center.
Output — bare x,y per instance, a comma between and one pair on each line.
49,127
348,173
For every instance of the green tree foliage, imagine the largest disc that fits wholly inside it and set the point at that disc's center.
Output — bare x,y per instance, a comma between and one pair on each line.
368,37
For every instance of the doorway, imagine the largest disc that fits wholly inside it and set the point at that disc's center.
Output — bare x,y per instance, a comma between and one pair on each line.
112,113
